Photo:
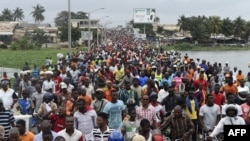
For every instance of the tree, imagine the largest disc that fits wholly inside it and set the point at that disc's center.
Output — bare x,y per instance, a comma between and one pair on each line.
37,14
183,23
214,24
62,17
239,26
39,37
18,14
75,33
227,27
6,15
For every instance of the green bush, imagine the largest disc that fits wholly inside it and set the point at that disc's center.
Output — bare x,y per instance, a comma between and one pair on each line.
22,44
183,46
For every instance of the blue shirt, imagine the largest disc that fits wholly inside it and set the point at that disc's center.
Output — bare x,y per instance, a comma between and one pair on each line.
25,105
115,113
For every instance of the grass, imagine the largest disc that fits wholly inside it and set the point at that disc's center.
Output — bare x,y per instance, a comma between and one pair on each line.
17,58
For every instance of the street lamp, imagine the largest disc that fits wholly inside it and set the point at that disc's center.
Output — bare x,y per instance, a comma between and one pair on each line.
69,28
89,25
97,38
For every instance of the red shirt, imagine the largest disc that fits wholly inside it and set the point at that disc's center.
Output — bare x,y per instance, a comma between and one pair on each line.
58,123
57,80
219,99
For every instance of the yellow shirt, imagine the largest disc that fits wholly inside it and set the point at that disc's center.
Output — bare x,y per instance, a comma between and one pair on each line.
194,113
118,74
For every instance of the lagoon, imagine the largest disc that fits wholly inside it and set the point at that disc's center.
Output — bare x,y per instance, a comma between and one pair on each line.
239,59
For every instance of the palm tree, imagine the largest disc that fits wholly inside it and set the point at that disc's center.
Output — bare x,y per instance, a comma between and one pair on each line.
183,23
227,27
7,15
18,14
215,25
37,14
239,26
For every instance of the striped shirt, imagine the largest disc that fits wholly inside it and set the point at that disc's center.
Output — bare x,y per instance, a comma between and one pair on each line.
6,118
99,136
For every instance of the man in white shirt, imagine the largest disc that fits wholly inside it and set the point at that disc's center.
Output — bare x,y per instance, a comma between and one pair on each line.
49,85
8,96
89,88
163,92
231,118
70,133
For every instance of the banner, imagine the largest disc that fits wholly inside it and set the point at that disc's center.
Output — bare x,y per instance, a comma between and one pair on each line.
144,15
87,35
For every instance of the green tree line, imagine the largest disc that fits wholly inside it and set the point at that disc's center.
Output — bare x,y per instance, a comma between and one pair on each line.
202,27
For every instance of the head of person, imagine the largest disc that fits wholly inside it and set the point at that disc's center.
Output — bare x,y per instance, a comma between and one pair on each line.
145,126
127,85
99,94
47,98
231,110
217,88
132,113
135,81
20,124
242,82
145,100
177,112
47,136
153,97
138,137
102,119
69,122
59,138
191,92
86,82
25,93
4,86
83,92
46,125
108,83
81,105
114,95
75,94
130,103
229,80
14,134
165,86
171,90
230,98
210,99
62,111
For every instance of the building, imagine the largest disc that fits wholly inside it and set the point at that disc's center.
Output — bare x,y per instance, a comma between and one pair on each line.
7,30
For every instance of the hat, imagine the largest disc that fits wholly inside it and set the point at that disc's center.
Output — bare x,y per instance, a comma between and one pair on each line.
49,72
63,85
202,69
226,62
153,94
138,137
99,90
47,95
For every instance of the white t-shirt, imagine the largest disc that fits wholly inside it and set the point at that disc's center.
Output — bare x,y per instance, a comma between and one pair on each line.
209,115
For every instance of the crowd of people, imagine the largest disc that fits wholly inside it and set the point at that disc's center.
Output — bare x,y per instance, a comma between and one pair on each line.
123,90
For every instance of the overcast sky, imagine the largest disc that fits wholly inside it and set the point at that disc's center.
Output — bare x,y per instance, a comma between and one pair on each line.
121,11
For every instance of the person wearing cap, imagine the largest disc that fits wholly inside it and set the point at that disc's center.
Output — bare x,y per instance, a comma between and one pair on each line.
226,68
230,101
138,137
99,103
231,118
48,84
7,119
47,107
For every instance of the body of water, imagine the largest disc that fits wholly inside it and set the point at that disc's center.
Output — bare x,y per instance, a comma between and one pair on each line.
239,59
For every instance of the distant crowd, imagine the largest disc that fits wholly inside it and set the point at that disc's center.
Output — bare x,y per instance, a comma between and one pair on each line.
123,90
